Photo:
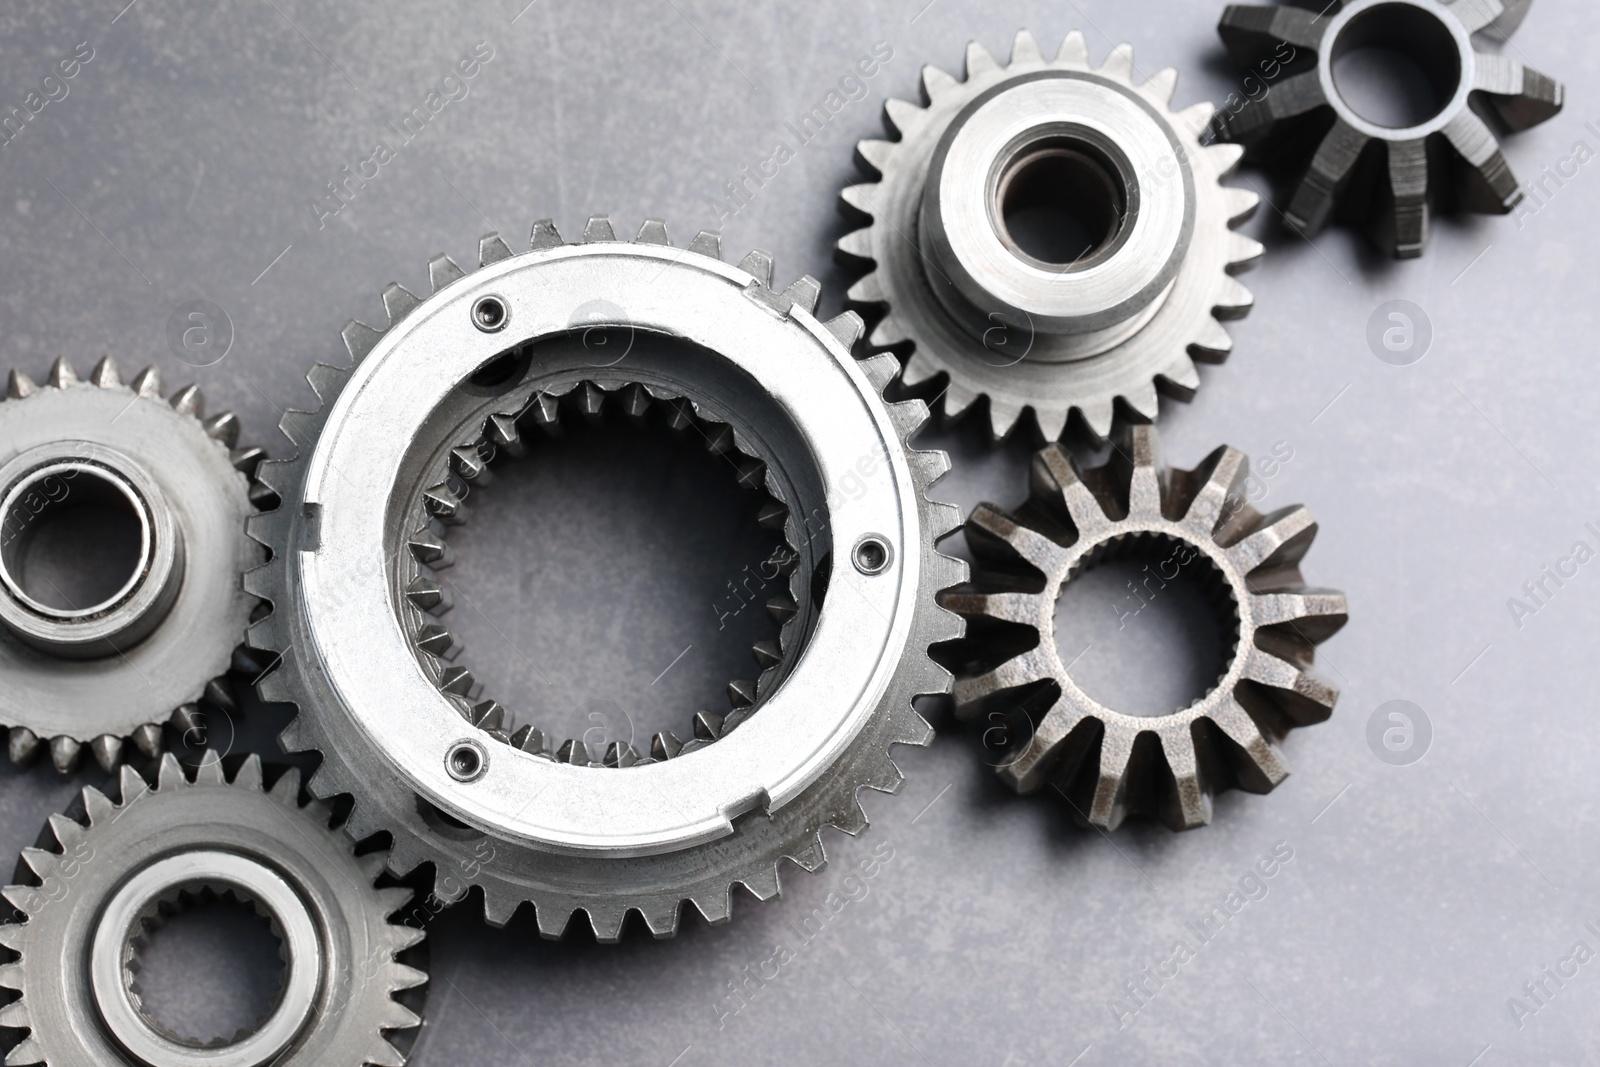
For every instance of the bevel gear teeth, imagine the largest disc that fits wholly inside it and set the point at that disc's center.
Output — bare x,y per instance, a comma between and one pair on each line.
1197,524
84,680
1071,335
711,298
104,875
1388,178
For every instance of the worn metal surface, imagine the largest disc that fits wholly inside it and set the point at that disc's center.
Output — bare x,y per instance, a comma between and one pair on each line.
1418,900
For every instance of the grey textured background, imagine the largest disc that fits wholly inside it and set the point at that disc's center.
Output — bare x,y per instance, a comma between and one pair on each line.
1419,898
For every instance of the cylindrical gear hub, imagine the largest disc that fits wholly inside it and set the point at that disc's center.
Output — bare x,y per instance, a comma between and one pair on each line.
1115,296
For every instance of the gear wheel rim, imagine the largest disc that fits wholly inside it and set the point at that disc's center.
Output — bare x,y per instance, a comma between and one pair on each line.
559,887
106,840
1345,161
1126,378
101,707
1105,763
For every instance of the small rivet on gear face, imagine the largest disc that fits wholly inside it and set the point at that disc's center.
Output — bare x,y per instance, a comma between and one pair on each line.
467,761
872,555
490,314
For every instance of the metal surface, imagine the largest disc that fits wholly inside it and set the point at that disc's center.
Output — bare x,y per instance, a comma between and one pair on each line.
1386,177
102,877
95,676
1194,526
489,356
1089,329
1419,897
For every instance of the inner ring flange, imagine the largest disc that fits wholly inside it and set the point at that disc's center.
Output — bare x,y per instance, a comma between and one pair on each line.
1421,30
119,922
65,474
1124,163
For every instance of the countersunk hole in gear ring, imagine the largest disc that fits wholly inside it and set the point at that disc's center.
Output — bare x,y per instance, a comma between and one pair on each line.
656,531
1147,625
1061,201
73,539
490,314
1396,65
208,967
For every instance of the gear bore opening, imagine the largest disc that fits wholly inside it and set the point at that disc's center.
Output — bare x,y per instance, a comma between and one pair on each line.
75,539
1147,625
1396,66
206,965
1061,201
540,535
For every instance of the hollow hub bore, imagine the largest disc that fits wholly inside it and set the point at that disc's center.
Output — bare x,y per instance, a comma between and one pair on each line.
76,482
139,898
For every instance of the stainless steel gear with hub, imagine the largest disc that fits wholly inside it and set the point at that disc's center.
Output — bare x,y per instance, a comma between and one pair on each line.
1106,763
96,675
1387,177
110,871
1088,326
460,377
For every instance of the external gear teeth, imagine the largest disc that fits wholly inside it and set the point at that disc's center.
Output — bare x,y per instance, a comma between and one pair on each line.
492,248
1108,764
189,401
758,264
105,374
361,1020
980,62
943,349
359,340
1387,179
598,229
834,803
707,243
545,235
398,302
62,376
937,83
653,232
902,116
19,386
442,271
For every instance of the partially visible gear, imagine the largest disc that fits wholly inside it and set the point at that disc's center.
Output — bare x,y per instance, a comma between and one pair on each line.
381,469
506,433
1106,763
98,676
1090,324
105,873
1386,178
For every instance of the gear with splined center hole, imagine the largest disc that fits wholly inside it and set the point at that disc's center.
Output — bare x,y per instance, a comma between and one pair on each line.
1107,764
496,353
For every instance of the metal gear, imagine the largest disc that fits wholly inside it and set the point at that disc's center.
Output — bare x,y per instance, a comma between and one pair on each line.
106,873
1106,763
1386,177
470,467
1085,329
96,676
491,355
